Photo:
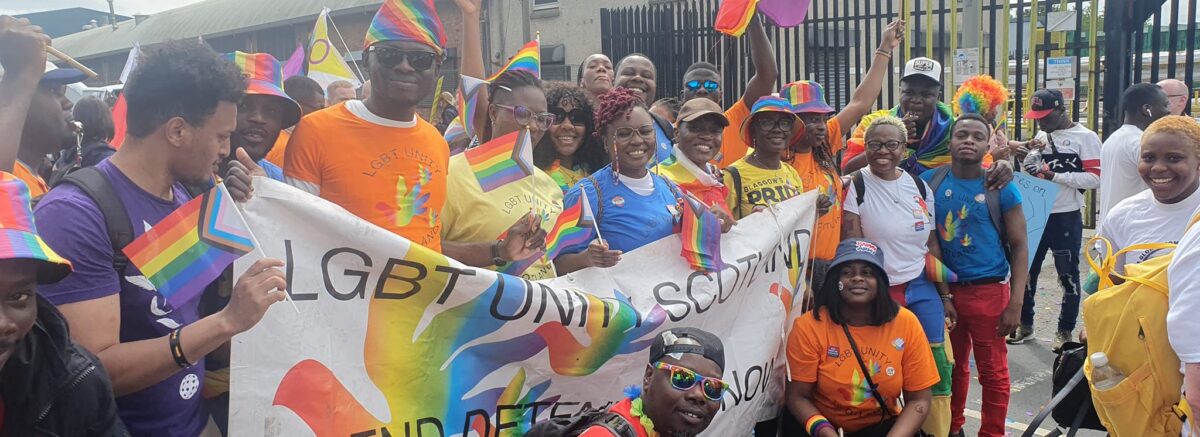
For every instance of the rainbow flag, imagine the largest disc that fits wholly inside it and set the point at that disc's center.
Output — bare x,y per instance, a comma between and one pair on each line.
573,227
701,237
528,59
468,103
936,271
190,248
502,161
734,15
407,20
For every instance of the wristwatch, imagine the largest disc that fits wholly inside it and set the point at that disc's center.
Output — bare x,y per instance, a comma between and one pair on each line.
497,260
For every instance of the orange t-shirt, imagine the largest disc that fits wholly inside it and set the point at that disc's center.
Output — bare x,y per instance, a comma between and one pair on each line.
732,146
275,156
37,186
829,226
897,354
392,174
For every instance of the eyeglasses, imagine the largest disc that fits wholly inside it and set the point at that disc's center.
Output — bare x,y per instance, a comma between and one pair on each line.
417,59
891,146
770,124
683,379
625,135
695,85
525,116
577,116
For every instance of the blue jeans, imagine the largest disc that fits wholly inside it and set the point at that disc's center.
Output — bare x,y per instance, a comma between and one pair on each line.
1063,238
921,297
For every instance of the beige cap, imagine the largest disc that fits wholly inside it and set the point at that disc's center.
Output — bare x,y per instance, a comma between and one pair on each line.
699,107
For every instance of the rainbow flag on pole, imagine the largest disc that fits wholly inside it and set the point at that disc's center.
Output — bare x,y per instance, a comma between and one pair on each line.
502,160
468,103
528,59
190,248
733,16
573,227
701,237
936,270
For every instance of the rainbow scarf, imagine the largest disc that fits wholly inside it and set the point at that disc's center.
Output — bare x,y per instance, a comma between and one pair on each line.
936,270
190,248
701,237
933,149
573,227
528,59
502,161
407,20
733,16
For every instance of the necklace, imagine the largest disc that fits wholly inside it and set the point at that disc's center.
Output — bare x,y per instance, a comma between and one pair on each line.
892,188
759,163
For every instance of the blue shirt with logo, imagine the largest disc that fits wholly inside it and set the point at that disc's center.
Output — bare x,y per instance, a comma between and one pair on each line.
971,245
627,220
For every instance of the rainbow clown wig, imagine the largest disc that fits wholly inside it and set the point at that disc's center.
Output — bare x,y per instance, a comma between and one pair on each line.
981,95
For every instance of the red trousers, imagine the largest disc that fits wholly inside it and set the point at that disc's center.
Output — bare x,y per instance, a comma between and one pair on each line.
979,309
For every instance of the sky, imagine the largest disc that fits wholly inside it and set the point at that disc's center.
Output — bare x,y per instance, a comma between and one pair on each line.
123,7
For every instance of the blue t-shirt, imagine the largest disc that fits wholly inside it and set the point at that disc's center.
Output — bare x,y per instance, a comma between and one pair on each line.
273,171
971,245
73,226
665,148
628,220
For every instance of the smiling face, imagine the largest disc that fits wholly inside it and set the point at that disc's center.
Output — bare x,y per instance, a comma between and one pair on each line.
259,120
505,122
919,96
880,158
679,413
400,84
1170,167
567,134
816,129
701,76
771,131
628,136
48,124
860,283
637,73
597,74
18,305
969,140
700,139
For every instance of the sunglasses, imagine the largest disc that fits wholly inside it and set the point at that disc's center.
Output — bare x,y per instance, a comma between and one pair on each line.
683,379
577,116
525,116
417,59
695,85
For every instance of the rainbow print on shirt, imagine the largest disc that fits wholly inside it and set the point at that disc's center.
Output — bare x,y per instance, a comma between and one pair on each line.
410,202
860,391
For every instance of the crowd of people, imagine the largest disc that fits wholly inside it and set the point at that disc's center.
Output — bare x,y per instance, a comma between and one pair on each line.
90,348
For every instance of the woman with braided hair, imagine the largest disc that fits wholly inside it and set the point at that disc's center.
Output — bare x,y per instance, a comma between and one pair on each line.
632,206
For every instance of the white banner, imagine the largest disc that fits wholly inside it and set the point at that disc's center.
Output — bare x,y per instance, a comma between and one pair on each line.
394,339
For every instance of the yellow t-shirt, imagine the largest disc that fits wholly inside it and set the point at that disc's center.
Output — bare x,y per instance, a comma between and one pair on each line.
897,354
37,186
732,146
760,187
275,156
829,226
392,174
470,215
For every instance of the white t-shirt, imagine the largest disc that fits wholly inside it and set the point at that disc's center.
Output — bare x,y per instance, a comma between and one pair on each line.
1119,176
1143,219
892,216
1183,280
1075,160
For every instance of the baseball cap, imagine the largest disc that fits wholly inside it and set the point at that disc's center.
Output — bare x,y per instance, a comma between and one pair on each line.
695,108
858,249
923,67
1044,102
18,235
264,76
688,341
61,76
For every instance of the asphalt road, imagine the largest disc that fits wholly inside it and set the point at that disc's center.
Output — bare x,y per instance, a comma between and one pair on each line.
1030,364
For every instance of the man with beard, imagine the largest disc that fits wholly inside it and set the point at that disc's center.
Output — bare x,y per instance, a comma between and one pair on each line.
264,112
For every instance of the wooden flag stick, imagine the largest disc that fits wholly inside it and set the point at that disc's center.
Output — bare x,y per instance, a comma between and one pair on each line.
71,61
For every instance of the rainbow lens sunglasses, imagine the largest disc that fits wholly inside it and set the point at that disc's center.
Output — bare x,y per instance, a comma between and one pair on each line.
683,379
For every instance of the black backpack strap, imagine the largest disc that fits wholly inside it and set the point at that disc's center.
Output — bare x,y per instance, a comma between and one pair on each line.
939,175
920,185
120,230
996,214
737,189
860,186
616,424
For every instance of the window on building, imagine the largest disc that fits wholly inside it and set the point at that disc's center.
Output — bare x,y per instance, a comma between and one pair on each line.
544,4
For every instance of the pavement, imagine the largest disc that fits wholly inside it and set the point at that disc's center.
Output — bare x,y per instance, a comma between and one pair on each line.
1031,364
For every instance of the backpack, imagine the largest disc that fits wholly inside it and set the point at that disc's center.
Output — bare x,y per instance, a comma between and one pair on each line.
92,183
860,185
737,188
1128,322
990,197
576,425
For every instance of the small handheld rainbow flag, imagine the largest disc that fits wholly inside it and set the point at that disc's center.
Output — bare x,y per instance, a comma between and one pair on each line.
528,59
190,248
468,103
937,271
734,16
701,237
573,227
502,160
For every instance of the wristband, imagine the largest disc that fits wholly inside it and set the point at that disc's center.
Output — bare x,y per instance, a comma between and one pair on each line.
177,349
816,423
884,53
496,258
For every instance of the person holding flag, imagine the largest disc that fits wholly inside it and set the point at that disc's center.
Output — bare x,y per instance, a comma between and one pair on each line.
182,109
376,157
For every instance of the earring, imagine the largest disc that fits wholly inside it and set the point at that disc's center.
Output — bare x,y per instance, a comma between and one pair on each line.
616,164
841,286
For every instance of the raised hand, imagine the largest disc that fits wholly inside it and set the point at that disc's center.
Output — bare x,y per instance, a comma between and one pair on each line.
239,175
22,47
